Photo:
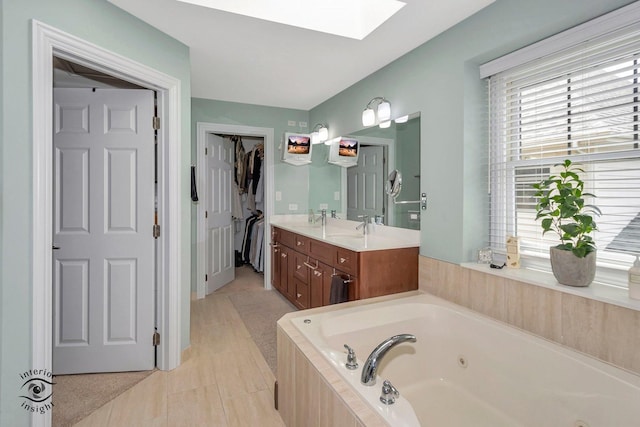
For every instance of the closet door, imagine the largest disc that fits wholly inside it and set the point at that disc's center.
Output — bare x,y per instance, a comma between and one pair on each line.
219,237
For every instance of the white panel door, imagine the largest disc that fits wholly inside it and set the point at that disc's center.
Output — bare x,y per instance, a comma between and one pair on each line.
103,265
219,240
365,184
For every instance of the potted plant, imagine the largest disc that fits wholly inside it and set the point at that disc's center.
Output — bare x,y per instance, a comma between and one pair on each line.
562,209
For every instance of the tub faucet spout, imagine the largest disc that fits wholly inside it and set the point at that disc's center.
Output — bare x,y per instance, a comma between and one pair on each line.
370,367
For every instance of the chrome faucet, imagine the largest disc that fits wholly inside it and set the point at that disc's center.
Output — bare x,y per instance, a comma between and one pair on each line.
370,367
364,225
322,217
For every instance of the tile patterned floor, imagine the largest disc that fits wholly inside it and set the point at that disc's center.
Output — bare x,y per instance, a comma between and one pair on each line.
224,382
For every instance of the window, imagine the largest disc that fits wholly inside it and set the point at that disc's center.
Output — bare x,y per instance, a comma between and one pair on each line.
581,103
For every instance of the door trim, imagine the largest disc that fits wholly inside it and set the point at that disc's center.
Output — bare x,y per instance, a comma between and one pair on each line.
48,41
202,130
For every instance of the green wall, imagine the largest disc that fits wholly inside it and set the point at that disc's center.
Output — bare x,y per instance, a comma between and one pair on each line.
105,25
441,80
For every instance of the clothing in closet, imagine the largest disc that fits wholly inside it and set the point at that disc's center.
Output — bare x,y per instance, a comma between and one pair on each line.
253,242
254,176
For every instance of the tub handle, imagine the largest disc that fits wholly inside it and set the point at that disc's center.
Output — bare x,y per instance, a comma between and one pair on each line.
389,393
351,358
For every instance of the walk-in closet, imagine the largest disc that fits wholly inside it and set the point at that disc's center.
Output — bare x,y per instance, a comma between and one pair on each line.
247,195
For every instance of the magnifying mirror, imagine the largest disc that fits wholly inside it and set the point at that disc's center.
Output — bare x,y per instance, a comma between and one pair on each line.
394,183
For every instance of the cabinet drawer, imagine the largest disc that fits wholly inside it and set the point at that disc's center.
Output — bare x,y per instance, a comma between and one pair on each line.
285,237
347,261
301,244
322,251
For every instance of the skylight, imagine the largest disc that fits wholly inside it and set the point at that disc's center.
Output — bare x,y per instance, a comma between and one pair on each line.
354,19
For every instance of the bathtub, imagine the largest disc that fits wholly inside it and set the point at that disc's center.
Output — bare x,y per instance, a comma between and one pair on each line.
469,370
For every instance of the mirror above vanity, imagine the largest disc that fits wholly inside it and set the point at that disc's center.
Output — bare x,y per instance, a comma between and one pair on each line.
361,189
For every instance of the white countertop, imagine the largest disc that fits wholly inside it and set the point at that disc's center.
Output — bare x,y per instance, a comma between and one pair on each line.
343,233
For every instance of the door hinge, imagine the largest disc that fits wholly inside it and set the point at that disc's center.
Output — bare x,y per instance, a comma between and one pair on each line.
206,214
156,339
206,277
156,123
156,230
206,151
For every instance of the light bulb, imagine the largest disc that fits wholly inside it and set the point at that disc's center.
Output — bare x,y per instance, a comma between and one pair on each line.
323,134
368,117
384,111
385,124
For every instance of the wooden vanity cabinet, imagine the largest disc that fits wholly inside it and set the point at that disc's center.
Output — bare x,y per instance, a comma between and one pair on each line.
306,267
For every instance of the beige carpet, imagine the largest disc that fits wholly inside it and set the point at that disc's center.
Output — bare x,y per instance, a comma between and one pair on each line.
76,396
260,311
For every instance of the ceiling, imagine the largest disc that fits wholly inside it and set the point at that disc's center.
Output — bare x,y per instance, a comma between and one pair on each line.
248,60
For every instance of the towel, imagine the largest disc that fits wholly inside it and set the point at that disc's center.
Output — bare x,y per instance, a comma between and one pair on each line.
339,290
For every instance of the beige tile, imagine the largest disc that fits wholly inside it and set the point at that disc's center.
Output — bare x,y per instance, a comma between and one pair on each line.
196,407
267,373
219,339
442,279
251,409
286,377
486,294
306,391
426,273
143,404
237,373
99,418
583,326
335,412
622,337
194,373
534,309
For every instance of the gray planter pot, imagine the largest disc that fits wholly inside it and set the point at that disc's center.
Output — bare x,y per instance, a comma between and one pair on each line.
570,270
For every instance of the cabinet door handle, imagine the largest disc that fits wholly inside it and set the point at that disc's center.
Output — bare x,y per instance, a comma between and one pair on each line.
317,273
342,260
310,266
299,243
284,255
299,295
298,267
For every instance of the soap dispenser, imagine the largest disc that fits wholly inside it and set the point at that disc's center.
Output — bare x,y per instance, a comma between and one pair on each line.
634,280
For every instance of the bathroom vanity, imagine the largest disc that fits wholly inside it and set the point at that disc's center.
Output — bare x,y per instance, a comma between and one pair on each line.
305,258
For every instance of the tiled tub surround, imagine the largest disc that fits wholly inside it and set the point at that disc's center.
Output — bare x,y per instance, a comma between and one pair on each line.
606,331
313,393
464,369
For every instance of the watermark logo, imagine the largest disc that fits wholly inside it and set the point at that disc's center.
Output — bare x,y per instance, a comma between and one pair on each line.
36,390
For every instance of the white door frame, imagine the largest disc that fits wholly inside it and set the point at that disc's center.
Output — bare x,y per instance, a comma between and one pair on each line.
48,41
202,130
390,164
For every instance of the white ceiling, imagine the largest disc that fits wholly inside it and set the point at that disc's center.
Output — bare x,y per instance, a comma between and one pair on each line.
243,59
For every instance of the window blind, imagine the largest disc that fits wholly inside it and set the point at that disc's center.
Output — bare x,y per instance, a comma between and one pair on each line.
581,103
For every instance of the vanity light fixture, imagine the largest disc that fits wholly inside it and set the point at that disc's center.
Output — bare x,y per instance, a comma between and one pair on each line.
320,133
385,124
402,119
382,114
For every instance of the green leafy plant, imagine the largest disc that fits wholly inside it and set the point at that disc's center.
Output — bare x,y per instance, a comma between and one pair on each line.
562,209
